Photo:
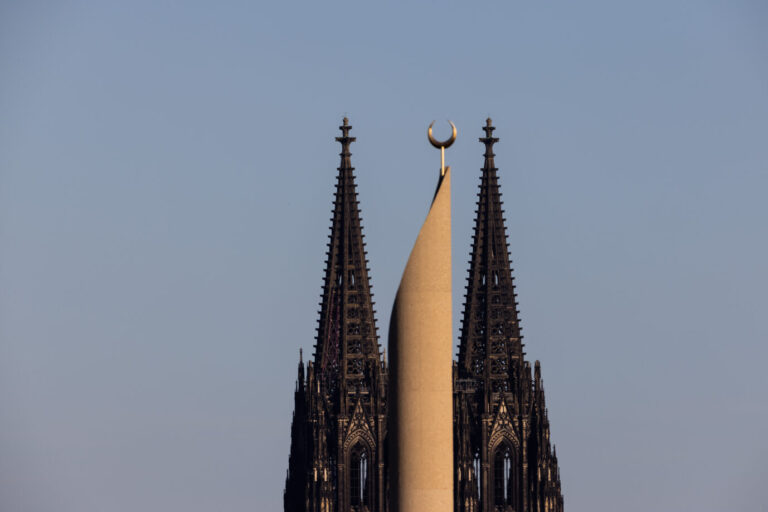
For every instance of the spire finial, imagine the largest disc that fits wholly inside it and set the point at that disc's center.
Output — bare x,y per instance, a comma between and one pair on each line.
442,145
489,140
488,127
345,140
345,127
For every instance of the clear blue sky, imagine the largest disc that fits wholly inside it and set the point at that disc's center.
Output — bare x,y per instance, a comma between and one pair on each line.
166,178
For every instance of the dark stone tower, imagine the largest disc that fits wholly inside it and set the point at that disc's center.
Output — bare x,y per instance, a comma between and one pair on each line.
503,457
337,460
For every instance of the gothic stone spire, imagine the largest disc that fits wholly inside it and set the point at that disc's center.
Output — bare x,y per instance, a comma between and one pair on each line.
337,459
503,416
347,344
490,344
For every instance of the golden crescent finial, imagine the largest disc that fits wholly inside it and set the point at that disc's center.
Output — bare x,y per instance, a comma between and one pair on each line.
441,145
437,143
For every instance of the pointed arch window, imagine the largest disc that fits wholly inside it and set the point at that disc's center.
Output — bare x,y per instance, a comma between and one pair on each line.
478,470
359,478
504,477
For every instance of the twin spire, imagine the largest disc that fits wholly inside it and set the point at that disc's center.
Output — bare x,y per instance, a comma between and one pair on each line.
490,340
344,396
346,353
490,335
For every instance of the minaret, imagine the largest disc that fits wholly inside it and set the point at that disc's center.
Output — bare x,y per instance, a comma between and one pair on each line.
346,381
420,364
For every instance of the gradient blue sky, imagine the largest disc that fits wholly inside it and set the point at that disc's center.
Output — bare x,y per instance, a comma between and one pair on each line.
166,178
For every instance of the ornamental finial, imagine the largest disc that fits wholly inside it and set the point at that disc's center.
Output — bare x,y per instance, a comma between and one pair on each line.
345,141
442,145
489,140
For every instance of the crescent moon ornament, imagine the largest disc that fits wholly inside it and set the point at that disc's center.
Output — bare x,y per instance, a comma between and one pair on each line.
437,143
442,145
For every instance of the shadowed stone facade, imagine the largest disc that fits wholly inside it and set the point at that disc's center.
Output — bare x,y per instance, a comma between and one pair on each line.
503,457
337,459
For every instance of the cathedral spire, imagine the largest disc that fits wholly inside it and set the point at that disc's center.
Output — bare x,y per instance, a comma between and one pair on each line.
339,465
490,346
508,431
347,343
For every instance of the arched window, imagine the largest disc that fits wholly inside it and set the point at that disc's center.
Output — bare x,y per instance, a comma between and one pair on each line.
478,477
359,478
504,476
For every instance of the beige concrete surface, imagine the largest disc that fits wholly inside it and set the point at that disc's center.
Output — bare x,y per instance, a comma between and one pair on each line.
420,338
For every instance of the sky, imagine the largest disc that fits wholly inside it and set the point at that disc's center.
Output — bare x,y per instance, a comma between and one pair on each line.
166,181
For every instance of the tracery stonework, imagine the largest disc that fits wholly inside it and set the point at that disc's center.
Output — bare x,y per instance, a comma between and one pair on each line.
337,457
503,459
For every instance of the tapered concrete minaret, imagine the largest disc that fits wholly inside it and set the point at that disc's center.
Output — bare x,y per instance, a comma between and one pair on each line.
420,334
